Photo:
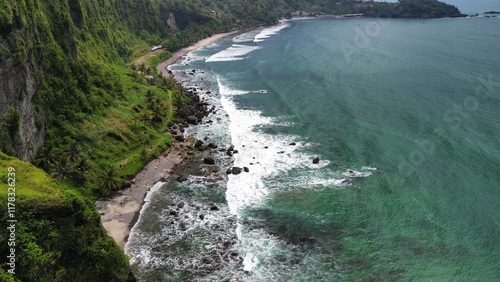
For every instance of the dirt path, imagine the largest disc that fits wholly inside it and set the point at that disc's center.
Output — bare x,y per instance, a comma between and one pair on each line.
143,59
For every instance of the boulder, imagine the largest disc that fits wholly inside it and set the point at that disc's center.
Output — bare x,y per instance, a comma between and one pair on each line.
236,170
246,169
190,141
214,208
182,178
316,160
198,143
209,160
192,119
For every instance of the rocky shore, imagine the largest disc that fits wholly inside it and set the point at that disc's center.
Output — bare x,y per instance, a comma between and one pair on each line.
120,212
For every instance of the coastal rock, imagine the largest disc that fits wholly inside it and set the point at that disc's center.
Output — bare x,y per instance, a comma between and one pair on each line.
192,119
190,141
198,144
180,205
179,138
209,160
227,245
236,170
246,169
182,178
213,146
316,160
214,208
228,171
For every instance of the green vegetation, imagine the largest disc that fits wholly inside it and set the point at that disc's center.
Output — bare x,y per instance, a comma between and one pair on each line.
9,125
153,62
412,9
58,232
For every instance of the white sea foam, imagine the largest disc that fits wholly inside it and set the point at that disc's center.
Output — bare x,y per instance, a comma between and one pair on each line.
267,156
356,174
246,37
268,32
234,53
144,253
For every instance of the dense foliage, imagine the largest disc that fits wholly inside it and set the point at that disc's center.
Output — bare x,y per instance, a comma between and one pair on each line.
58,236
412,9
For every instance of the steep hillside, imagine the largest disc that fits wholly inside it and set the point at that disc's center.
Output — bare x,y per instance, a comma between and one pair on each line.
57,233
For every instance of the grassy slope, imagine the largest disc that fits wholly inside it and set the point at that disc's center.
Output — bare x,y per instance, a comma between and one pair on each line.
58,232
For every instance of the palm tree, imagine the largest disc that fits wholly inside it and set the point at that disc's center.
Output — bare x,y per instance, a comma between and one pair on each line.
60,170
45,157
110,180
82,167
73,152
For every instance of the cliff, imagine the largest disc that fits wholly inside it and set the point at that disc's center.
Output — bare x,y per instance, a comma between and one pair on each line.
19,80
55,234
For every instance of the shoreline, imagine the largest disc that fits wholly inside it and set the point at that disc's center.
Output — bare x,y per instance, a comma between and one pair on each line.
176,56
120,211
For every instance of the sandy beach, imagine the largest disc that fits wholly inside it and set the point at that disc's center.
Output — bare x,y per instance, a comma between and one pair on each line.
163,67
120,212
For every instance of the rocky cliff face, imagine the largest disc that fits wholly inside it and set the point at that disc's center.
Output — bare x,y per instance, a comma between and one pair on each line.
18,85
171,22
25,31
19,81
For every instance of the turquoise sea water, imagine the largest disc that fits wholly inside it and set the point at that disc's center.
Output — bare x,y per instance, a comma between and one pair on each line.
404,116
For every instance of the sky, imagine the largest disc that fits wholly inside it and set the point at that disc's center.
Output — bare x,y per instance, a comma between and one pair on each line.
470,6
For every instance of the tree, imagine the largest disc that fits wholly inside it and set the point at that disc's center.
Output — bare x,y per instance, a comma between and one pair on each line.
81,168
60,170
73,152
110,180
45,157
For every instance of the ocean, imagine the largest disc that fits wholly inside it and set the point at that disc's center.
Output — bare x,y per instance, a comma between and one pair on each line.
402,117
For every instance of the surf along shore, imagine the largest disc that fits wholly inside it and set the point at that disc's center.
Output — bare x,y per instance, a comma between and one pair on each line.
120,212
